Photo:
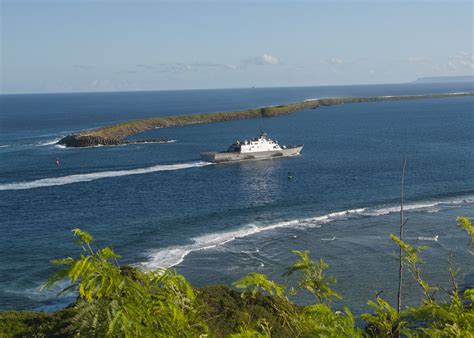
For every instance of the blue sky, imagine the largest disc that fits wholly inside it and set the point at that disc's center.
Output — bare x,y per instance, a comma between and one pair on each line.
71,46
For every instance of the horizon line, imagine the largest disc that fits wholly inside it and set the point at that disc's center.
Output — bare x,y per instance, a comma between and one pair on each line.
250,87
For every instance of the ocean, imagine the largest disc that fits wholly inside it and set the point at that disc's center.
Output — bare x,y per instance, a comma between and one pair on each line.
159,205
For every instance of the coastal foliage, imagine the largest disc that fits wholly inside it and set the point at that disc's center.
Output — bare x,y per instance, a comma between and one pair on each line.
116,300
313,278
466,224
126,301
310,321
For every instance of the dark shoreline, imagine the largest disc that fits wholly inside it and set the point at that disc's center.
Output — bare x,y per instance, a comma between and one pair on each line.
117,134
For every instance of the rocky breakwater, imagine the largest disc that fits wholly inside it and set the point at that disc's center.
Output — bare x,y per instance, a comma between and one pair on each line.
117,134
85,140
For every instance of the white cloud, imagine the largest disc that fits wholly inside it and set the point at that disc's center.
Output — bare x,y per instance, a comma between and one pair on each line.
451,65
102,85
265,59
418,59
210,65
178,67
105,85
145,66
461,61
82,67
333,61
269,59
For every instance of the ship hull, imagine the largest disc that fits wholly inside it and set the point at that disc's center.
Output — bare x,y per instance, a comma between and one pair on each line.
223,157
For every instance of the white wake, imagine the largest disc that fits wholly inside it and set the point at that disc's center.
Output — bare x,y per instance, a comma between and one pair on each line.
55,181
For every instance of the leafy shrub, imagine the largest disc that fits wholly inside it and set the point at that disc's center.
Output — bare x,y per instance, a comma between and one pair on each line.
116,301
124,301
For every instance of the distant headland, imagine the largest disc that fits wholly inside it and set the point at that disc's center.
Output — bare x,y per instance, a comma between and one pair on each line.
117,134
445,79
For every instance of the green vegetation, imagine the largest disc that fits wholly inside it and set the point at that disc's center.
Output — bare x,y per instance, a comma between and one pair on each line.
116,300
39,324
116,134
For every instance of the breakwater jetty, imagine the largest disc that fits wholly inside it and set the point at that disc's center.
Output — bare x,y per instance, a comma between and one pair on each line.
116,134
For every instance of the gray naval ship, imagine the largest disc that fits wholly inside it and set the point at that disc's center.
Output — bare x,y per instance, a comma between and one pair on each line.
258,148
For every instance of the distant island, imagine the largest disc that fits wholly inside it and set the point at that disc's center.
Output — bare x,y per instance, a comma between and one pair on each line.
117,134
445,79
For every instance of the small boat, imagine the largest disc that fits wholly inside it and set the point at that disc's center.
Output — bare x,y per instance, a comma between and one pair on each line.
333,238
258,148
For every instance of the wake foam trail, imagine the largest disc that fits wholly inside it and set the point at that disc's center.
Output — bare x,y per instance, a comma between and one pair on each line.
172,256
54,181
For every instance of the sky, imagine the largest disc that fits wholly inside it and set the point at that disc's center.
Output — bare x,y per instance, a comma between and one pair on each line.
88,46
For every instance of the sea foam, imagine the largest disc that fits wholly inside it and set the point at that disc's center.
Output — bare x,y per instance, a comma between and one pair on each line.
47,143
172,256
63,180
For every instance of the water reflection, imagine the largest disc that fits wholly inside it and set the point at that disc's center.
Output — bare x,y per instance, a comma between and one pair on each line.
260,181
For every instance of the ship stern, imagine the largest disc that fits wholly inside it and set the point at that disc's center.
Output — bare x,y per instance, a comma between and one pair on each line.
208,157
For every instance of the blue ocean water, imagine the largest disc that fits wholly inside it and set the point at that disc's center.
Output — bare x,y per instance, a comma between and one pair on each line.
159,205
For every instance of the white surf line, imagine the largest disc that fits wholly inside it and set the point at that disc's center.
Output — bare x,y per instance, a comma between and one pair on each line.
50,142
55,181
175,255
61,146
150,142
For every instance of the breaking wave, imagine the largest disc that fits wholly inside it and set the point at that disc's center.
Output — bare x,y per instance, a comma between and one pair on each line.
62,146
28,143
54,181
172,256
48,142
150,142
